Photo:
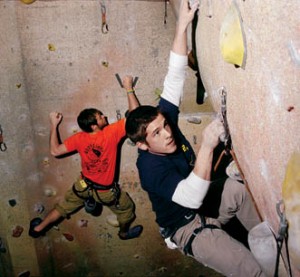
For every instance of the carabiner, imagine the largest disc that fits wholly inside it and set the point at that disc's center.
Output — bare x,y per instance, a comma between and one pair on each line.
104,24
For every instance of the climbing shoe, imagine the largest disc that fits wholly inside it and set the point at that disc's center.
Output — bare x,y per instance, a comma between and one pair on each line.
132,233
33,223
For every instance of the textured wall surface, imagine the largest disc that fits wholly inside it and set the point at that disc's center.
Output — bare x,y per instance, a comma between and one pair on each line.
263,98
54,57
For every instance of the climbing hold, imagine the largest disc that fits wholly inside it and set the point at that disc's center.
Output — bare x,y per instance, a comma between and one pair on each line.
68,236
49,192
28,1
232,39
83,223
17,231
12,202
194,119
51,47
157,92
74,129
39,208
46,161
194,139
18,85
291,196
105,64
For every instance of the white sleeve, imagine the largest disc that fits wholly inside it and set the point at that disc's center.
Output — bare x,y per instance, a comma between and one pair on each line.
175,78
191,191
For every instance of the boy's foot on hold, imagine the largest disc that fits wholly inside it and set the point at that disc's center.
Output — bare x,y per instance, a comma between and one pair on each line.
132,233
33,223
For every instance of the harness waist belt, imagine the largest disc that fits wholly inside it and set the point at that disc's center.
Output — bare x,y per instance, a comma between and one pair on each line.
97,186
169,231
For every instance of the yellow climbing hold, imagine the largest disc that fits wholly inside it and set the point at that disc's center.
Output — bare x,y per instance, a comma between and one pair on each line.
291,199
51,47
28,1
232,41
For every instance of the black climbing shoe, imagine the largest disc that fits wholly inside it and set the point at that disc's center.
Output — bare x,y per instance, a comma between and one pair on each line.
33,223
132,233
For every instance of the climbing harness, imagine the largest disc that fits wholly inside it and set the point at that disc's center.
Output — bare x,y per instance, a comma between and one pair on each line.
90,204
282,237
188,247
169,232
104,28
2,143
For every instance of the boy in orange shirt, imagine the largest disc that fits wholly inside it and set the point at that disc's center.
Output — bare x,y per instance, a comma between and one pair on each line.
97,146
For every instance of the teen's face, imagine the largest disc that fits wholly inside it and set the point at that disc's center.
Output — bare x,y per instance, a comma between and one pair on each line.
159,138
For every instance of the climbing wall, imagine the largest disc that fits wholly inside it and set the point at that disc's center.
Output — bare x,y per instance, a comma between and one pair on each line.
63,55
252,49
55,55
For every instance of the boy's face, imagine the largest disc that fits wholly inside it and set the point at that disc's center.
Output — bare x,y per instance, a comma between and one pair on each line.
101,120
160,140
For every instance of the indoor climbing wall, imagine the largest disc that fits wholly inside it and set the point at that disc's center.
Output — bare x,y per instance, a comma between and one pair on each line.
251,51
64,56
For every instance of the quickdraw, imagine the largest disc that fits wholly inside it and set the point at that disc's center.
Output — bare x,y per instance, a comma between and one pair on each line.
228,145
282,237
2,143
226,137
104,24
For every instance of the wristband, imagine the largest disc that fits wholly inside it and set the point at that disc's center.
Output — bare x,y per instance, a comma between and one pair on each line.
130,91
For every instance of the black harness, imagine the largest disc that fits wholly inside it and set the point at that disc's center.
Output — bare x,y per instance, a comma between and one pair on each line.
169,232
188,247
92,186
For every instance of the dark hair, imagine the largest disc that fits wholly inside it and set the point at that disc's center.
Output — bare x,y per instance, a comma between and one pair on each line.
87,118
138,121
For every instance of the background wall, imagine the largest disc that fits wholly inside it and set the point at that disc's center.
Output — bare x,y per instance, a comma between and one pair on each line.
55,57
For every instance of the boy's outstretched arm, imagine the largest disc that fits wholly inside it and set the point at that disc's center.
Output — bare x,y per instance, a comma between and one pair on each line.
186,15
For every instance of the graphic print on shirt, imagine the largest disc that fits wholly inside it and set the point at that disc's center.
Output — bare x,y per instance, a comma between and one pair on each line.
188,154
95,163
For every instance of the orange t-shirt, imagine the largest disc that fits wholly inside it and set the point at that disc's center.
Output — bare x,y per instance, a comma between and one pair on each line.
98,151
